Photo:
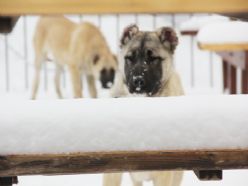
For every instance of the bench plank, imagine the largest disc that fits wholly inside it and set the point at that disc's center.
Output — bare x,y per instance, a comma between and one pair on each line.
53,164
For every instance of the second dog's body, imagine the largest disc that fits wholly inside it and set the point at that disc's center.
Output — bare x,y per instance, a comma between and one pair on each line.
81,47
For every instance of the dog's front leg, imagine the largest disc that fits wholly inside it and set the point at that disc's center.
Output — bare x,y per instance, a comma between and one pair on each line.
112,179
57,80
92,86
76,81
167,178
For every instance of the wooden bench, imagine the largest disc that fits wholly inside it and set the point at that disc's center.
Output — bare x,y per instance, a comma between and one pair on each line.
234,56
99,145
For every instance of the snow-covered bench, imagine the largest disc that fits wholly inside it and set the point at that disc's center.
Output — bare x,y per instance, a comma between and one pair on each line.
206,134
195,23
230,41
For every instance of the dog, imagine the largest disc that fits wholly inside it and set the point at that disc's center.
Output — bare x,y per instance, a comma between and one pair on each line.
146,68
80,47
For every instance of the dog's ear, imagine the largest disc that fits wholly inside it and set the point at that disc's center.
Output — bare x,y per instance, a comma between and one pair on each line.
168,37
128,34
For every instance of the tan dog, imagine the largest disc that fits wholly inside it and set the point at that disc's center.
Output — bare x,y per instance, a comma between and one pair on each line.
81,47
146,68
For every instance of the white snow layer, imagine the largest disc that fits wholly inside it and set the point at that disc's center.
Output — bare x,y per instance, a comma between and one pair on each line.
196,22
120,124
224,32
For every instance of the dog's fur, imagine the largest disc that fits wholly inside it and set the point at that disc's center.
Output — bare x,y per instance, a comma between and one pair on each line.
146,68
81,47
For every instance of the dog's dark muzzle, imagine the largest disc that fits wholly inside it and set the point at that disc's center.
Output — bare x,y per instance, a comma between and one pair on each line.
107,78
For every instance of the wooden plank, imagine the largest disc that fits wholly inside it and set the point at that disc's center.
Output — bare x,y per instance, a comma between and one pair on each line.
189,32
224,47
17,165
119,6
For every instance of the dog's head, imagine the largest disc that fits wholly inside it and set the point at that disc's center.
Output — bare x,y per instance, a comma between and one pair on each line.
104,68
147,58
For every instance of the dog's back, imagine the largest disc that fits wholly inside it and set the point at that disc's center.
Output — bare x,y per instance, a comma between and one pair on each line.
52,35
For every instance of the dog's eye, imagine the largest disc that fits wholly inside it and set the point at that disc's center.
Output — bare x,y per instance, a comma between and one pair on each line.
155,59
129,59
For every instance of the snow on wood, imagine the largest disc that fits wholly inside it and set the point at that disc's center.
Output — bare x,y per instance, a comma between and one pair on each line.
196,22
123,124
224,33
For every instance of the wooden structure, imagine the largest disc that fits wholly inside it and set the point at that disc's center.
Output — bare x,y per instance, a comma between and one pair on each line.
233,56
15,7
207,164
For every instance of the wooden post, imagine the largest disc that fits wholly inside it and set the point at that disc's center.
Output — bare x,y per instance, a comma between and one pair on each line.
207,175
225,75
232,79
245,81
8,181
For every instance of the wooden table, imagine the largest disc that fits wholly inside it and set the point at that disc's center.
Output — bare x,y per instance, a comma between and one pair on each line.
233,56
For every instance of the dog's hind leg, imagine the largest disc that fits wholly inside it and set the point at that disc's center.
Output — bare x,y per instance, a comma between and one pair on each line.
92,86
76,81
57,80
112,179
164,178
36,81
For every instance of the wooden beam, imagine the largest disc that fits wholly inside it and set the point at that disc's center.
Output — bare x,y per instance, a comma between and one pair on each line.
14,7
17,165
224,47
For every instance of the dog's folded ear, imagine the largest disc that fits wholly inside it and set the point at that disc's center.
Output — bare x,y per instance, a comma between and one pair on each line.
128,34
168,37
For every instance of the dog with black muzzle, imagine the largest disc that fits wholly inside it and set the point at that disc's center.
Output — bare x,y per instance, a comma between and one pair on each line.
79,46
146,68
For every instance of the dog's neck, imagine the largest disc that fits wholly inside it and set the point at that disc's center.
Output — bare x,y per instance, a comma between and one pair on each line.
171,86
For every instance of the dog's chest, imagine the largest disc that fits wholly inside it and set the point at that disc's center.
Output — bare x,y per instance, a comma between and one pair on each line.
141,176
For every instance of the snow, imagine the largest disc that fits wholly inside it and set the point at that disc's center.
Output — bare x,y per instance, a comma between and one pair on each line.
196,22
70,126
224,32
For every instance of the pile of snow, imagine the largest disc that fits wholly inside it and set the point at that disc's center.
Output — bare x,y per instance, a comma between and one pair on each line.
196,22
224,32
136,124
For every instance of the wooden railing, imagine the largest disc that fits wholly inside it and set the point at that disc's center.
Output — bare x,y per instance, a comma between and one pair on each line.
14,7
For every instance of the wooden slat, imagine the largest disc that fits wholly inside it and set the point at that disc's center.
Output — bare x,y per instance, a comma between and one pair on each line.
224,47
121,6
16,165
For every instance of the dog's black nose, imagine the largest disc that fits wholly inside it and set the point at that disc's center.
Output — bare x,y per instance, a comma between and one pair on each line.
138,82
